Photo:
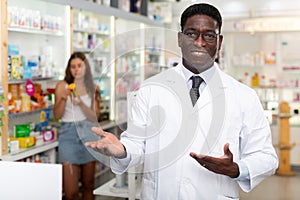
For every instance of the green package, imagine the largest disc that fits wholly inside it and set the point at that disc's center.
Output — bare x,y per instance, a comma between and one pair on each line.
22,130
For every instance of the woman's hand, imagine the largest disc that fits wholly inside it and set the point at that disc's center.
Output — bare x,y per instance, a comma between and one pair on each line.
65,93
76,100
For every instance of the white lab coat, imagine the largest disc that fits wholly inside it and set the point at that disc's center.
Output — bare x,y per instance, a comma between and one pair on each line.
164,128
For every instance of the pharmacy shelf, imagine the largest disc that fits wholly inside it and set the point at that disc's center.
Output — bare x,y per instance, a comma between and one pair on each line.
20,81
108,189
105,125
24,153
87,50
105,10
35,31
82,49
22,114
291,71
254,66
102,172
91,31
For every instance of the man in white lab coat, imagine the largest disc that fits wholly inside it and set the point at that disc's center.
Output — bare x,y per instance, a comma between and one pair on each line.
194,149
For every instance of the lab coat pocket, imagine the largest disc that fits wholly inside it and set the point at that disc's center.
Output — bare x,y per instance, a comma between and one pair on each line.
222,197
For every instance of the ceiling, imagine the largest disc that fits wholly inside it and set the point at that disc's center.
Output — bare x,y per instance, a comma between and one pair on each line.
245,8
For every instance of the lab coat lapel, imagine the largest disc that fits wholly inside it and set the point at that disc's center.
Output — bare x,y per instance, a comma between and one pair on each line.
213,91
174,80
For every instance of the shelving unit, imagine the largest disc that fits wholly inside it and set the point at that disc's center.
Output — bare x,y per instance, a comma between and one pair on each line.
22,81
91,34
20,28
267,54
108,189
48,34
268,47
34,31
4,78
25,153
129,62
24,114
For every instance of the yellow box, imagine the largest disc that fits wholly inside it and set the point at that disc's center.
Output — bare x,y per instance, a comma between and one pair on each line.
25,142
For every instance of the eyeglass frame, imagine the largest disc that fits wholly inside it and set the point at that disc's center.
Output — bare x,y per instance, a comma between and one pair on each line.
212,34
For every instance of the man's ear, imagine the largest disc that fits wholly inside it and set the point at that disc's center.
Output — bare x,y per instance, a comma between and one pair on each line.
179,39
220,42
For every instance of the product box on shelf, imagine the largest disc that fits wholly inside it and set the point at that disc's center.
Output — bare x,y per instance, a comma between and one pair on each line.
21,130
39,140
48,136
25,142
14,146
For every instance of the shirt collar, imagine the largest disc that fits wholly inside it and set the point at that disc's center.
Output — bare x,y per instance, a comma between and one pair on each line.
206,75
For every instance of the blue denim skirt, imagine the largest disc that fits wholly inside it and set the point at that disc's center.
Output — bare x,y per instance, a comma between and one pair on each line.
71,139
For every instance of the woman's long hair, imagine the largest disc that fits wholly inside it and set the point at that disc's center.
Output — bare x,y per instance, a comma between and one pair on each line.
88,78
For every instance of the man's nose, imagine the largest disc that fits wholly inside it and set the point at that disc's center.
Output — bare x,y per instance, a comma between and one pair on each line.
200,41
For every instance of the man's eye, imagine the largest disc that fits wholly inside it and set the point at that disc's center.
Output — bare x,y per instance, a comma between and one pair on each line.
208,35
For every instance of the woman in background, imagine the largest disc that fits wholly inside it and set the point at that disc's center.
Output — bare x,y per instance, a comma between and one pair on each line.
77,108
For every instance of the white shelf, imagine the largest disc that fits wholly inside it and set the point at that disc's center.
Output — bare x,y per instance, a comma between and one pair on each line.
107,125
106,10
111,124
291,71
127,74
276,88
87,50
82,49
108,188
24,153
103,171
22,114
35,31
16,81
253,66
91,32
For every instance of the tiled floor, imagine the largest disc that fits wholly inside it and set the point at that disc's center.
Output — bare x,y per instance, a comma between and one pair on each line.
273,188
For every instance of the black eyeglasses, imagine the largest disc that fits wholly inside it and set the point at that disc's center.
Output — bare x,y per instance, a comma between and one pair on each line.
208,37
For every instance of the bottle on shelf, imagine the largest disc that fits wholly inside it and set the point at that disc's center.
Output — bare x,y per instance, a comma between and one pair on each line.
37,159
263,81
255,80
247,79
270,58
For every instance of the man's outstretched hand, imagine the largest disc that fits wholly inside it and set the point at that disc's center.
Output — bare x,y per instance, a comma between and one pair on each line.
223,165
108,145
